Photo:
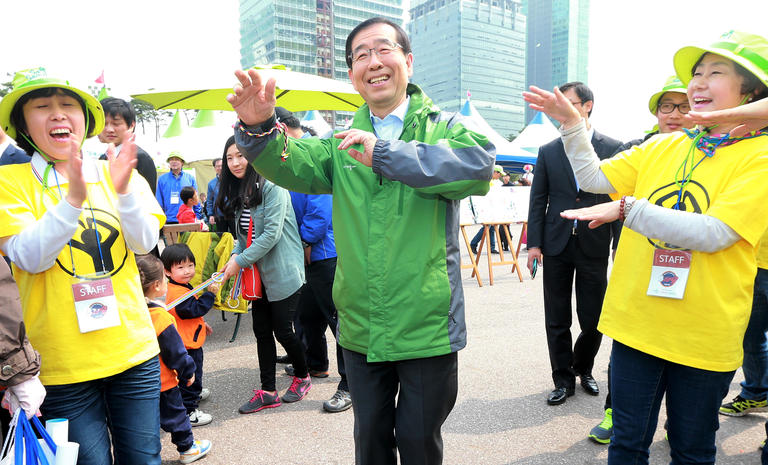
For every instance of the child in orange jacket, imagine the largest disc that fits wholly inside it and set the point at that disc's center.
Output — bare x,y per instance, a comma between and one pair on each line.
175,363
179,263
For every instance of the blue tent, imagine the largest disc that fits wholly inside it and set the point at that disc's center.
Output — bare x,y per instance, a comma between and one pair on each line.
507,155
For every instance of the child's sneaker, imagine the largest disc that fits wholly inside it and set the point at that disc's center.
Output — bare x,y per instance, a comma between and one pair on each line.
259,401
199,418
199,449
204,394
299,388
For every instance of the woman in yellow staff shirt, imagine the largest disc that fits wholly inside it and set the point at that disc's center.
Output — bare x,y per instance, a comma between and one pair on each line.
680,292
71,225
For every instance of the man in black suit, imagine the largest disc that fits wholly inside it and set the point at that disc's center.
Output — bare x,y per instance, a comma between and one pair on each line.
10,154
569,247
120,122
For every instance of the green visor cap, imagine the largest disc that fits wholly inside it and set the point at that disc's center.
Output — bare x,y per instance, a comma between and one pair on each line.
28,80
748,50
673,84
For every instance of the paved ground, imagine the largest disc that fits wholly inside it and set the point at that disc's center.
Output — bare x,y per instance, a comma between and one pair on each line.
500,417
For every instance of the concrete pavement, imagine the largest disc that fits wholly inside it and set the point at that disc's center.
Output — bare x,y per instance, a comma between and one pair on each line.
500,417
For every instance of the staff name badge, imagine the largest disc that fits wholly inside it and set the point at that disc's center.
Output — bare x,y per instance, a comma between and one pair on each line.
669,273
95,305
175,198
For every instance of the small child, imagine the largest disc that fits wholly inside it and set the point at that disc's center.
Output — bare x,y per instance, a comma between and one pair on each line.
174,361
189,198
179,264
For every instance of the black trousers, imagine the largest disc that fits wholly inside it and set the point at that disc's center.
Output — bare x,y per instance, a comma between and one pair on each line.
276,318
191,394
316,313
569,360
174,419
409,421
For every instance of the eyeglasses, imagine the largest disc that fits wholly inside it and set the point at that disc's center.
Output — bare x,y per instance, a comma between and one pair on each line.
381,51
667,108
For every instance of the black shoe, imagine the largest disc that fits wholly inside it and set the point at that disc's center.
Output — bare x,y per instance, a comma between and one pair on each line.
474,249
289,370
495,251
283,359
559,395
590,385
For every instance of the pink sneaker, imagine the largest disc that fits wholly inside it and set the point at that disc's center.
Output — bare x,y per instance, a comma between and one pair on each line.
259,401
299,388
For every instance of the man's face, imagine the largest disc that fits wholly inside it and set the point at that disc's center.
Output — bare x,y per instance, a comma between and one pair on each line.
380,80
175,164
673,121
116,130
496,175
217,167
582,107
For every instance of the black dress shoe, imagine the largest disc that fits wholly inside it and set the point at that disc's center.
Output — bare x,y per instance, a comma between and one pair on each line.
559,395
590,385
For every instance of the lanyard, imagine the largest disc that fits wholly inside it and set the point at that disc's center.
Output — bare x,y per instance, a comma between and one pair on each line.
47,188
709,151
215,277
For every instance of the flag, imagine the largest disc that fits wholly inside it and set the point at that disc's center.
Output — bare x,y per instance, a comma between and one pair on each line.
100,79
102,94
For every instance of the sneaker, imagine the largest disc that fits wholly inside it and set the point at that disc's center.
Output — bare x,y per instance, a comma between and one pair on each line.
299,388
204,394
474,249
313,373
340,401
199,418
601,433
741,406
198,450
259,401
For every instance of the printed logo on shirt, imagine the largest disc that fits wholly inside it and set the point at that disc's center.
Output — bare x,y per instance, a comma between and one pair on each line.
695,199
89,258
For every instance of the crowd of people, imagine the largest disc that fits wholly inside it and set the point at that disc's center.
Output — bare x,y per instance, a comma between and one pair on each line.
118,331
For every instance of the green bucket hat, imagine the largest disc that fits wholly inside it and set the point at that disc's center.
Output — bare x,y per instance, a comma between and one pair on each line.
748,50
28,80
175,154
673,84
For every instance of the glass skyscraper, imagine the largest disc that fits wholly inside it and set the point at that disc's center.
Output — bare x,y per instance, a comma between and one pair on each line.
558,43
306,35
475,46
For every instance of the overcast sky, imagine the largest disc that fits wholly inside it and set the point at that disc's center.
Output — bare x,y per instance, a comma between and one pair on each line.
175,44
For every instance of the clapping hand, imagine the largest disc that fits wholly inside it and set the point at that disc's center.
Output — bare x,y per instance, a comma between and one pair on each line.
120,168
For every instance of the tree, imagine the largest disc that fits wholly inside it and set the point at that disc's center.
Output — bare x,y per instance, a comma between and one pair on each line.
7,86
146,113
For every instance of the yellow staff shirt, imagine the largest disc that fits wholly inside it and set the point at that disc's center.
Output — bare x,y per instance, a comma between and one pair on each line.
706,328
69,356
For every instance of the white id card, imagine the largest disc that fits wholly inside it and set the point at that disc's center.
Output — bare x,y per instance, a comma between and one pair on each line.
95,305
175,198
669,273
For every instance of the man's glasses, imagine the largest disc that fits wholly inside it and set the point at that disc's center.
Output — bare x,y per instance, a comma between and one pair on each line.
381,51
667,108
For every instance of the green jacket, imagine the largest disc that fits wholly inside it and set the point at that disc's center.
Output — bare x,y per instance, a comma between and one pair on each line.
398,279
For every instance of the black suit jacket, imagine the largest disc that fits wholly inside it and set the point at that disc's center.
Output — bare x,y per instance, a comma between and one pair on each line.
145,166
13,155
554,190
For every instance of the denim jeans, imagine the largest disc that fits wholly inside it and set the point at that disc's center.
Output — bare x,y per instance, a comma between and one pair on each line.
755,365
638,383
125,406
476,240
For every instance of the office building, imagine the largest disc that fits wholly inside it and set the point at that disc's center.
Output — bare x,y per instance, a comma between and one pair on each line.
558,43
475,46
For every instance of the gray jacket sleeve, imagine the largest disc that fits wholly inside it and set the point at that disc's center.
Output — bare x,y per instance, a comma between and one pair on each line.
18,360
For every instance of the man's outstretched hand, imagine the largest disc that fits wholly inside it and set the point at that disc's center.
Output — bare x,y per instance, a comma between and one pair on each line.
252,100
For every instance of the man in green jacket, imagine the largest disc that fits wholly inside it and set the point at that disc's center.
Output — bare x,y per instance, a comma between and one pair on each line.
397,178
